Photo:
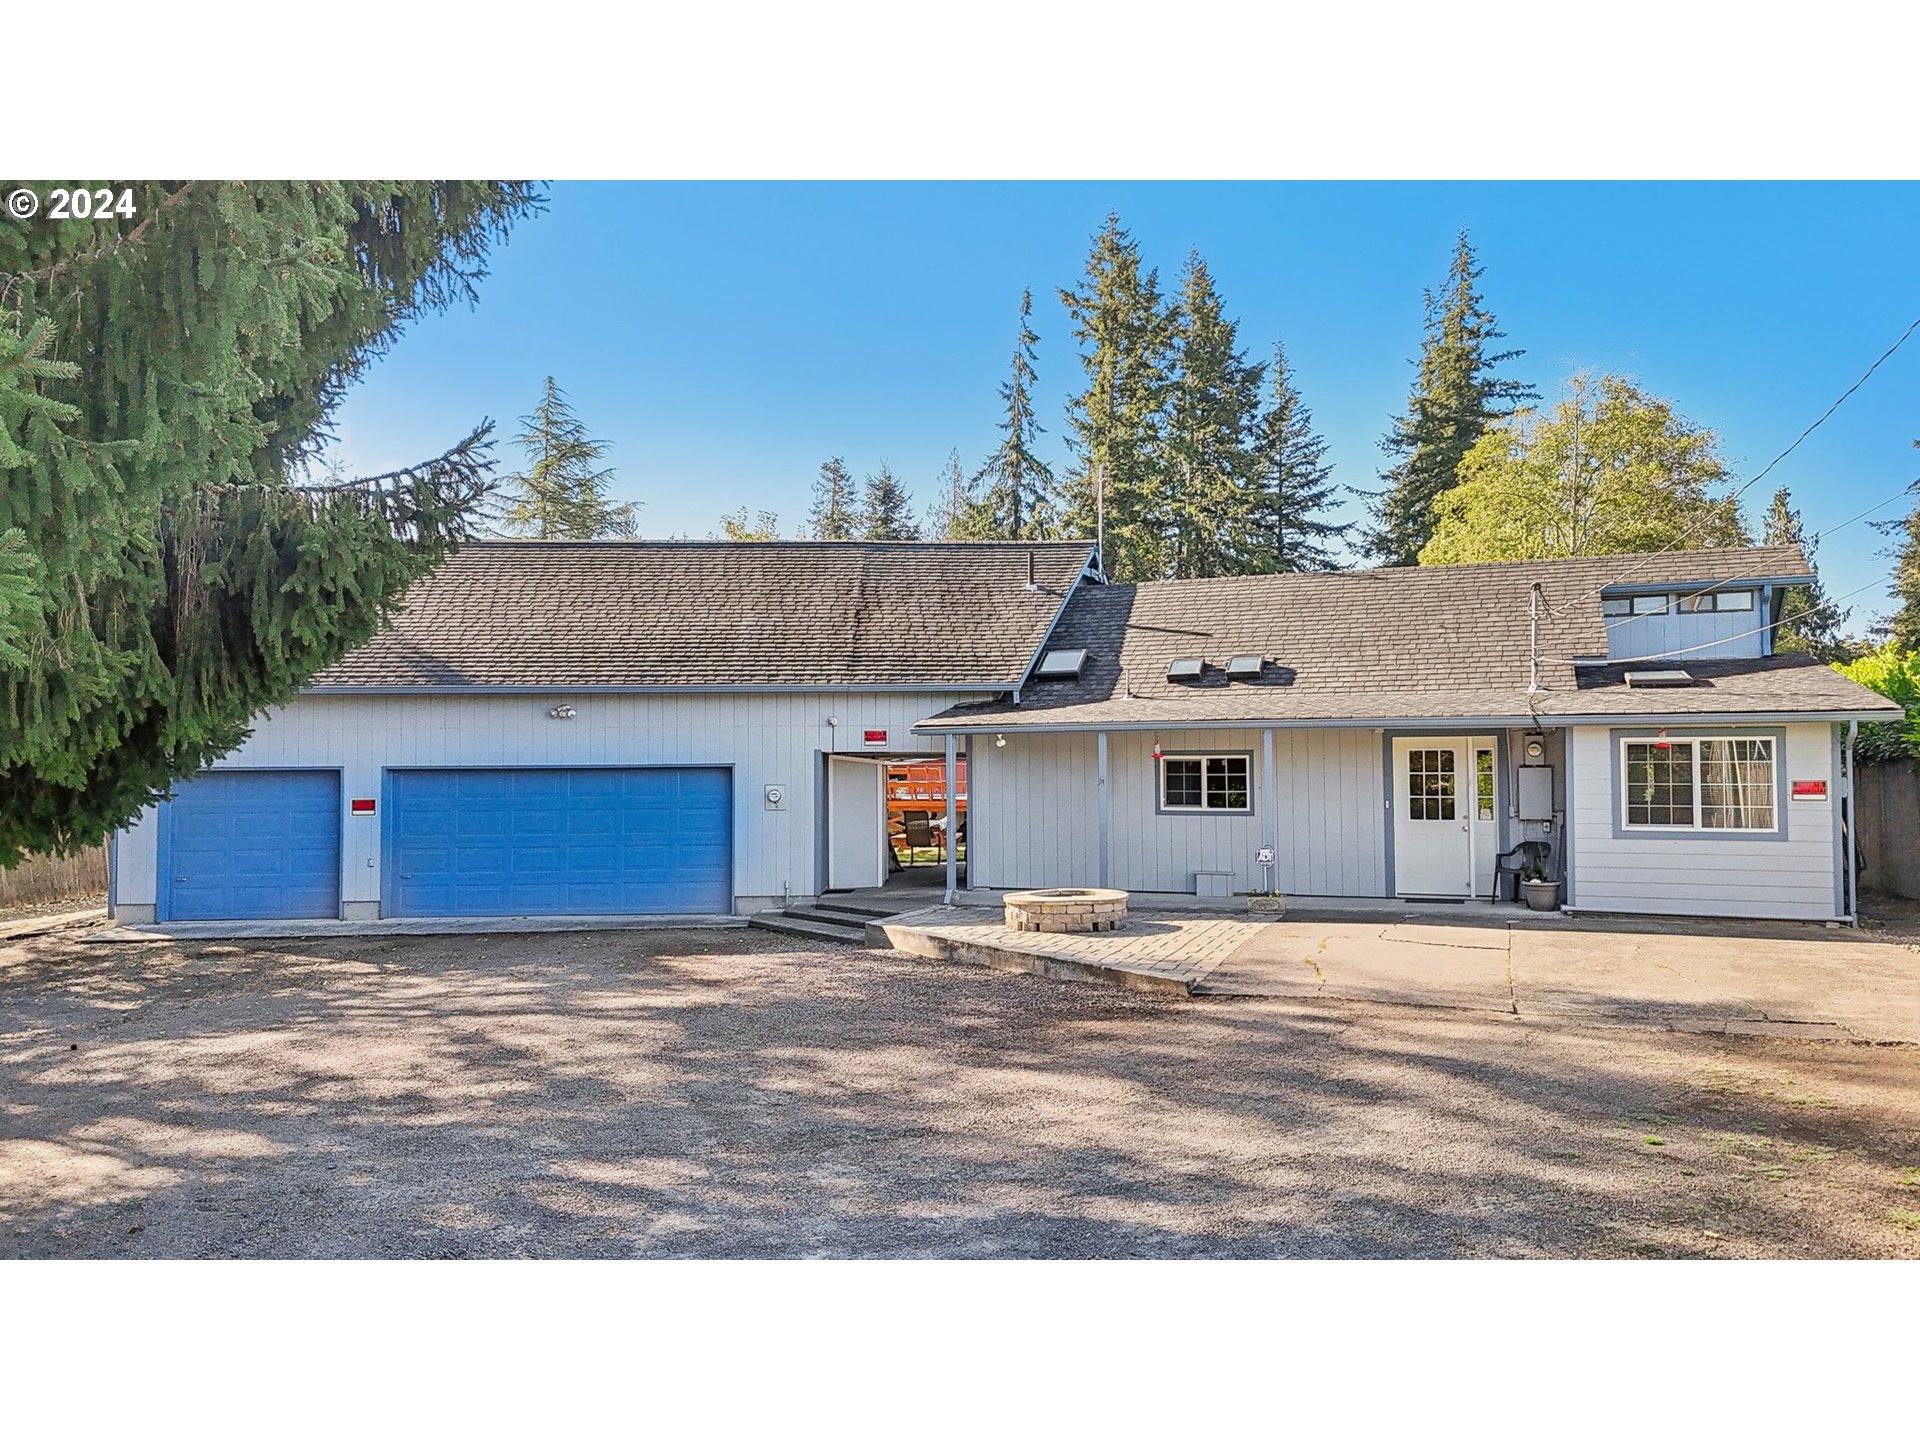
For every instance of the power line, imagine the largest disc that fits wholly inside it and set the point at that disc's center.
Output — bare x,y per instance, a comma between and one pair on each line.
1766,469
1818,536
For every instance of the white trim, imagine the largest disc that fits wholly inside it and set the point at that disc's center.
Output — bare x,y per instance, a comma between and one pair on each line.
1206,758
1694,740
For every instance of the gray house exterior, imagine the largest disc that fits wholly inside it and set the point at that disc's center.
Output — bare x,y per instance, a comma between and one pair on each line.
675,728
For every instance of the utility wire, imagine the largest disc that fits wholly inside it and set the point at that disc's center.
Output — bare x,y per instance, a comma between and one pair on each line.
1818,536
1766,469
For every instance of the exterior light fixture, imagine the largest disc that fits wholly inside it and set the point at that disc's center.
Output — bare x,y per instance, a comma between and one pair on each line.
999,742
561,712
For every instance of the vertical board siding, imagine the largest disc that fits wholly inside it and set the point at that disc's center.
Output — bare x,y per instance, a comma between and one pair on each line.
1888,803
1720,635
766,739
1704,874
1039,818
39,879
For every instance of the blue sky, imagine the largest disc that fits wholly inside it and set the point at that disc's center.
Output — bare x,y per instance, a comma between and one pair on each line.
725,338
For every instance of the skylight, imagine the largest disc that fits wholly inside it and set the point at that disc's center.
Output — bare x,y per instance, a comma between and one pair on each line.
1186,668
1061,664
1654,679
1246,667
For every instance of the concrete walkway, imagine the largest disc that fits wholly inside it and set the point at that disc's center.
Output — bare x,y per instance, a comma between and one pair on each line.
1717,976
360,929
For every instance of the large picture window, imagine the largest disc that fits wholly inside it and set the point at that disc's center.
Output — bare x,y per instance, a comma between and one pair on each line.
1204,783
1700,783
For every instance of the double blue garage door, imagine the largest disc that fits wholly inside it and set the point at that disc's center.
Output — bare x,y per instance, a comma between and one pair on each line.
559,842
265,844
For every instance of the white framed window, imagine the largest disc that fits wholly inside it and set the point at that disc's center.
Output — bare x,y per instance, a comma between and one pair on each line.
1701,782
1718,600
1206,784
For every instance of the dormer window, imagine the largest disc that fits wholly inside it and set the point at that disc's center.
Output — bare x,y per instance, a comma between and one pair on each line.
1717,600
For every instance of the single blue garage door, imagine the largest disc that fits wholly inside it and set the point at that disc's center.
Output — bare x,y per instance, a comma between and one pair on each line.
252,845
559,842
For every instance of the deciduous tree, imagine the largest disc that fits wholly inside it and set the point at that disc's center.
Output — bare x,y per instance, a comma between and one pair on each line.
1609,468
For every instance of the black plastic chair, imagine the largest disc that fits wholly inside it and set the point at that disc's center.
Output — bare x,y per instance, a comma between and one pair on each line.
1517,861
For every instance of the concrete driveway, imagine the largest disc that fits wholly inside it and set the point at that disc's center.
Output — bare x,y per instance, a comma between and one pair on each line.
1711,975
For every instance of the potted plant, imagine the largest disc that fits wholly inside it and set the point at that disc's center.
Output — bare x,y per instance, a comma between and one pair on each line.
1541,893
1266,902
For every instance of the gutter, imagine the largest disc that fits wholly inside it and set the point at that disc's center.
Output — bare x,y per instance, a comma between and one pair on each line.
1408,722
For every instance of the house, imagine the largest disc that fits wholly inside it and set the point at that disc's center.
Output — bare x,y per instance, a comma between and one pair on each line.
594,729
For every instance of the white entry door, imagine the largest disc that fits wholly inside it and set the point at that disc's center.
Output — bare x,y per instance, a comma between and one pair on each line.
1433,800
856,823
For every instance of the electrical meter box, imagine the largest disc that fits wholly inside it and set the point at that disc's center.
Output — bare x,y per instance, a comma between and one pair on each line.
1536,792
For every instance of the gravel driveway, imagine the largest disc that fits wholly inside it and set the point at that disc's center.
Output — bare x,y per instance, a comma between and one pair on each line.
711,1093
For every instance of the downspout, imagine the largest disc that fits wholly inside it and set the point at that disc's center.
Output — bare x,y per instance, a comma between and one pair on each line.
1848,830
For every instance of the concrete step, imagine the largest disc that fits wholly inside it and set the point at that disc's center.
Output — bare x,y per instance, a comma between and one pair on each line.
847,933
865,909
827,915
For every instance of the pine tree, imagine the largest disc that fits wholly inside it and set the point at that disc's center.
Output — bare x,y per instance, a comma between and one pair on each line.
1293,485
1116,426
1456,396
560,495
1903,626
1016,493
835,512
1809,622
184,575
1212,418
886,511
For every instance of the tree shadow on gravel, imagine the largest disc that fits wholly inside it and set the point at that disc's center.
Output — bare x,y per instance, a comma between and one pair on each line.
715,1093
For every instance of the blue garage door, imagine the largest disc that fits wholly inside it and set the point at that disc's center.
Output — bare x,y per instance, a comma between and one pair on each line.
253,845
559,842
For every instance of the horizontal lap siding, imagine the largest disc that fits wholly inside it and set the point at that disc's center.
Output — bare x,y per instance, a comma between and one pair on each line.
1038,813
1790,879
766,739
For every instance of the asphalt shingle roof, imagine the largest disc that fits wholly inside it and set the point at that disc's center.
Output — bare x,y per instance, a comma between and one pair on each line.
1423,642
547,613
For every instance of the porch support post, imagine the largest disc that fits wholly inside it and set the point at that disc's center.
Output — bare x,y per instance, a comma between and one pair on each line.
1270,826
1106,819
952,782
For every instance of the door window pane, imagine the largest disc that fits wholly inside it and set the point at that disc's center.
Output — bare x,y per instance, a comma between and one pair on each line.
1483,783
1430,785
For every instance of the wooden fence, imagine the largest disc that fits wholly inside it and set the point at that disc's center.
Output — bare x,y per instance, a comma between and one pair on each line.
42,878
1888,797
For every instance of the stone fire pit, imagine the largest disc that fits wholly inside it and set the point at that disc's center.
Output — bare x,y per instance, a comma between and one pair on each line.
1066,912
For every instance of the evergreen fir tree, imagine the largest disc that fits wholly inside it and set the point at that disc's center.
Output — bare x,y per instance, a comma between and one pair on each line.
1016,492
1116,426
1456,396
886,510
835,513
560,495
1809,622
1903,626
1210,490
1293,486
183,576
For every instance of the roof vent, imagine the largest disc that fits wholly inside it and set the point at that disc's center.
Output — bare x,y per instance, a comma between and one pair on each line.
1186,668
1061,664
1246,667
1657,679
